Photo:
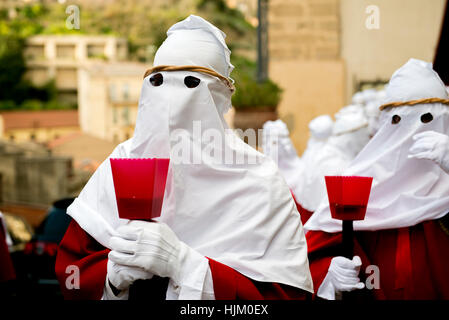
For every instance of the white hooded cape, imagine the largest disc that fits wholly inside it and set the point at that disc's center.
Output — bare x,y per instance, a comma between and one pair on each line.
241,215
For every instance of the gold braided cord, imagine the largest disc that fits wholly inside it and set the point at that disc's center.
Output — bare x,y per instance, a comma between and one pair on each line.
205,70
414,102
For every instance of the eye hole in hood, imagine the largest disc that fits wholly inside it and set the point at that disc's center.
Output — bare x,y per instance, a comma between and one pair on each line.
191,82
395,119
156,80
426,117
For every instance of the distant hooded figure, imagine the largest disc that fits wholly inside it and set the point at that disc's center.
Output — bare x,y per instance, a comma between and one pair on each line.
330,149
320,129
279,147
227,230
370,100
349,136
405,230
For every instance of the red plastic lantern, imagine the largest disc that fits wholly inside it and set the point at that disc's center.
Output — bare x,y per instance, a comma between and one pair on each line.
139,187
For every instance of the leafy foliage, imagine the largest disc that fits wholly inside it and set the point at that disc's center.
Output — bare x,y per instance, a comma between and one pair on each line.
250,94
144,24
240,33
17,92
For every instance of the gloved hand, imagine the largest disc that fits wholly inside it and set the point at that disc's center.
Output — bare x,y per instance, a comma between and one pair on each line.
122,277
433,146
342,275
151,246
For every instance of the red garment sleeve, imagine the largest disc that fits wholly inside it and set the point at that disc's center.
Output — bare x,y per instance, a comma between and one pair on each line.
79,249
319,260
304,213
232,285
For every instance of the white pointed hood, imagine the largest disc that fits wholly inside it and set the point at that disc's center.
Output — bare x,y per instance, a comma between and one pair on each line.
307,187
201,44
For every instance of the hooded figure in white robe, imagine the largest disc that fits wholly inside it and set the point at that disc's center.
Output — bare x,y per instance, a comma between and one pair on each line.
399,198
349,136
404,232
278,146
223,199
330,149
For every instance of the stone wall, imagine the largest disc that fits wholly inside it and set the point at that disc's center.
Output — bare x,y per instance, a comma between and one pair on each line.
304,29
406,29
42,179
33,178
304,55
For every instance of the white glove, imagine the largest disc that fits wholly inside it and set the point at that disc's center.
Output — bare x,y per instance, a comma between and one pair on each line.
151,246
433,146
343,275
122,277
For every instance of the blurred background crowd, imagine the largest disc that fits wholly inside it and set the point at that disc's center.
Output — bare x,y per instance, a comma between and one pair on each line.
71,72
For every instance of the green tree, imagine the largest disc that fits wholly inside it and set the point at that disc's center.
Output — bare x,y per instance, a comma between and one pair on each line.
15,89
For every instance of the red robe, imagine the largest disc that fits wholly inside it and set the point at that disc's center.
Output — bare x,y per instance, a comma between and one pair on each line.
7,271
80,249
413,261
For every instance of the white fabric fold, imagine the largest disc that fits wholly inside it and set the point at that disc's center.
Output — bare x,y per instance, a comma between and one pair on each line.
195,280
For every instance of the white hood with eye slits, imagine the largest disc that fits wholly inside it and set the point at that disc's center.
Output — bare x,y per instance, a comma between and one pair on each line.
405,191
240,214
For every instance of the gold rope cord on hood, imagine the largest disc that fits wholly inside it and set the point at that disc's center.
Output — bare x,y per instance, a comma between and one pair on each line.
414,102
227,81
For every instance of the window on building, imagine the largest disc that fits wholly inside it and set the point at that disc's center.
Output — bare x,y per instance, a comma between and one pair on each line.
96,51
34,52
66,78
69,169
64,51
114,115
125,92
122,51
126,115
371,84
112,92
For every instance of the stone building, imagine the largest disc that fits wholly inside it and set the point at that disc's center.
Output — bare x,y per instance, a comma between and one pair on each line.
59,57
108,99
87,151
93,72
37,126
29,174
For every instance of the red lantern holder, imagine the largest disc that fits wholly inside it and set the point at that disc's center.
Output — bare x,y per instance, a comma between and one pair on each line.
139,187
